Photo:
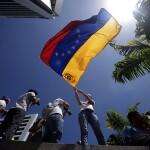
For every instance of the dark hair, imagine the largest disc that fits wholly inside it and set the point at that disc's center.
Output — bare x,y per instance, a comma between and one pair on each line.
147,113
32,90
137,120
132,114
67,111
6,98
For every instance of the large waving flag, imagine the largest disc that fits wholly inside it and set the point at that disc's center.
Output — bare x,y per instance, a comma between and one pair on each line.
70,50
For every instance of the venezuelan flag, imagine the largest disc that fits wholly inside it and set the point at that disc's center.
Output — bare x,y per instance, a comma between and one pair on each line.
70,50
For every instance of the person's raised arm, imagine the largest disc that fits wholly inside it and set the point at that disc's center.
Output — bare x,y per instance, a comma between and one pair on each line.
87,97
77,96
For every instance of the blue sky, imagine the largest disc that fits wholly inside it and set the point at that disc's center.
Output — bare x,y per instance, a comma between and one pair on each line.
21,41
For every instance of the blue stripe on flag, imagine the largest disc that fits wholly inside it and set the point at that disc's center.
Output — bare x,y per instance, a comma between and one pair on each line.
76,38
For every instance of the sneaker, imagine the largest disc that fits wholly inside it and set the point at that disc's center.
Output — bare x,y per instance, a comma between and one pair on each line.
79,142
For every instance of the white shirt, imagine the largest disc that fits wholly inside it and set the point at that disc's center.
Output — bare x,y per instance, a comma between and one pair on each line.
47,110
24,101
148,116
85,105
2,104
53,108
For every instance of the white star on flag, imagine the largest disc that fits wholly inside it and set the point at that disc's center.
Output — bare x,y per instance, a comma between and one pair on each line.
76,41
56,53
63,54
78,35
58,62
73,47
78,30
68,52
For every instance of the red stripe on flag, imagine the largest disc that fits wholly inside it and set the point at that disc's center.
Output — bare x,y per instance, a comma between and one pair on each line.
50,46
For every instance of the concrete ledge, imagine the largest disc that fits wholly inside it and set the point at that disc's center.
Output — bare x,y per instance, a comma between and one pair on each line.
15,145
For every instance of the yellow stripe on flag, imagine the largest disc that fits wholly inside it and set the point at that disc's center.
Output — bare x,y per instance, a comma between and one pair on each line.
94,45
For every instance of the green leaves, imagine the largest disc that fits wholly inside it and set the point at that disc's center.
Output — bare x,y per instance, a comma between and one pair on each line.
142,16
116,121
133,47
134,107
136,52
132,67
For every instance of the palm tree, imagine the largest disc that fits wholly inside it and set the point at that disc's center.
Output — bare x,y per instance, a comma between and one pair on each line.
117,122
136,61
134,107
143,18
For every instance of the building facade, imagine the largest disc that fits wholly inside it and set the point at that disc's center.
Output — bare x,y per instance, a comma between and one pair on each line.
30,8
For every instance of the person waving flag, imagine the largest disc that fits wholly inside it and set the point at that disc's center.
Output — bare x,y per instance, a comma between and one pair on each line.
69,52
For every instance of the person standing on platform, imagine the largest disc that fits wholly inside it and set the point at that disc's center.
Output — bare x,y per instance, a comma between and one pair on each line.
15,115
53,116
87,115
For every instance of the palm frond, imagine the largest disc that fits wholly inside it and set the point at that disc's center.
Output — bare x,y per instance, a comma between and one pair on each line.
142,16
134,107
132,67
133,47
137,51
115,121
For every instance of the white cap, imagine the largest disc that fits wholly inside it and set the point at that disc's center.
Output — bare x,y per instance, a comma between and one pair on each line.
49,104
89,94
58,99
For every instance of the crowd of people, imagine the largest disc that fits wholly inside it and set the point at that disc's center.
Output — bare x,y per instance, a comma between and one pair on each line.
50,125
136,133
